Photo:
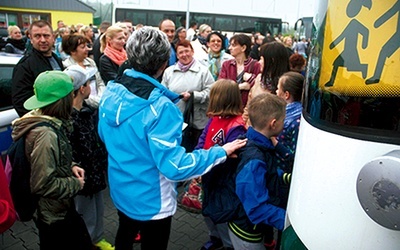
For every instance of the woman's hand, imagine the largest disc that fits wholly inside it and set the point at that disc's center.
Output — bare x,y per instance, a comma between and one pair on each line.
186,96
231,147
244,86
247,76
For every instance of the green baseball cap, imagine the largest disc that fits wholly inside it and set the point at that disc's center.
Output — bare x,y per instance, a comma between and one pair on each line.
49,87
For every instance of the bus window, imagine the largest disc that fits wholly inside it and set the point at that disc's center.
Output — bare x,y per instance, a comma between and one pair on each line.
204,18
344,90
224,23
246,24
138,17
154,18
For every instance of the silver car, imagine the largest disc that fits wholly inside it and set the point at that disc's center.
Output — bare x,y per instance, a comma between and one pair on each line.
7,112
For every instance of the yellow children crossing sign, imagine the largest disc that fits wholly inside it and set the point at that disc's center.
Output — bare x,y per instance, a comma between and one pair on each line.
361,49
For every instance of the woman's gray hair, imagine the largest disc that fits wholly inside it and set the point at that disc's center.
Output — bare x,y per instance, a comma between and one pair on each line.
148,50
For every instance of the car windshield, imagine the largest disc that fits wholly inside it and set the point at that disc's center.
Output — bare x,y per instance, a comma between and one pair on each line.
5,86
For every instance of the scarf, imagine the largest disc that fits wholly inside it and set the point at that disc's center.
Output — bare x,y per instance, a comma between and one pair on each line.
186,67
19,44
202,40
215,63
118,57
293,112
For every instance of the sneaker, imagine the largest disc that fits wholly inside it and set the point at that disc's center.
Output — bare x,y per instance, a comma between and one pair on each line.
137,238
213,244
270,245
104,245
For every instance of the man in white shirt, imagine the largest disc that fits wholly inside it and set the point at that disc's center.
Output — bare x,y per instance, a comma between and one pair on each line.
191,32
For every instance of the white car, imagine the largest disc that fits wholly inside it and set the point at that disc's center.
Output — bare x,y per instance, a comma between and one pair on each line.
7,112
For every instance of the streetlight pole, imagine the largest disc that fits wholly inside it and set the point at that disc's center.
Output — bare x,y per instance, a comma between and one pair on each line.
187,15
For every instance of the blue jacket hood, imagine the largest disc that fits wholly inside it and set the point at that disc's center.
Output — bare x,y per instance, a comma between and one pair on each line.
118,103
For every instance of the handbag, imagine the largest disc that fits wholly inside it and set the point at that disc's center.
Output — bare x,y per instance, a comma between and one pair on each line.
192,196
188,134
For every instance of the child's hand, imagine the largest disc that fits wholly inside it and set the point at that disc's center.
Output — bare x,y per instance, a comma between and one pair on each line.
274,141
80,175
231,147
81,182
245,115
78,172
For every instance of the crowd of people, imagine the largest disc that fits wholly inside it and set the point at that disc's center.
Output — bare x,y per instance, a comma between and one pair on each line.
118,100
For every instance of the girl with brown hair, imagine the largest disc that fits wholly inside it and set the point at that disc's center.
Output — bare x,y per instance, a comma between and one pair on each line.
225,125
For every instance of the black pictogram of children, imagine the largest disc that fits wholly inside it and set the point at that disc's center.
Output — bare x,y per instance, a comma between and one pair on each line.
349,57
390,46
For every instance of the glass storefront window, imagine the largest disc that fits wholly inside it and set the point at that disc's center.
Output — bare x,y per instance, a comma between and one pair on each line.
12,19
26,21
3,20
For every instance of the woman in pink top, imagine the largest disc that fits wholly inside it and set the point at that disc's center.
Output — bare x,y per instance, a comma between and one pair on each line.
242,69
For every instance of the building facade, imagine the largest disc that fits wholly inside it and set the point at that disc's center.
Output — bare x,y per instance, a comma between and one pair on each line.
23,12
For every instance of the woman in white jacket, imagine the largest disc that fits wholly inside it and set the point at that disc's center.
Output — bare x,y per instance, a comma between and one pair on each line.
76,47
190,77
216,53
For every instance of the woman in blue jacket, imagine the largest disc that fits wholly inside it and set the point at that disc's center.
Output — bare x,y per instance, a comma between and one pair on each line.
142,129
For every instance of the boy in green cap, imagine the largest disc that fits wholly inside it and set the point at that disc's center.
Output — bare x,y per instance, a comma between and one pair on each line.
55,179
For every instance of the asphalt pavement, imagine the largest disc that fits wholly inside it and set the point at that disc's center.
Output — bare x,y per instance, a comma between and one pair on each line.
188,231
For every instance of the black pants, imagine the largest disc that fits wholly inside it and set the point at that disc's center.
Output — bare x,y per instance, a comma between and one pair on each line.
70,233
154,233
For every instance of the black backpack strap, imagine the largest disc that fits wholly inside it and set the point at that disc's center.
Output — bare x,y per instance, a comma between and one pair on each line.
41,124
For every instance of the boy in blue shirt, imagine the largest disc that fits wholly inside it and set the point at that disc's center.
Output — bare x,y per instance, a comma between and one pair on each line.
257,181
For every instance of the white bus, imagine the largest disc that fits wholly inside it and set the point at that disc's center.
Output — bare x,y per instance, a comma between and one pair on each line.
303,28
345,190
241,18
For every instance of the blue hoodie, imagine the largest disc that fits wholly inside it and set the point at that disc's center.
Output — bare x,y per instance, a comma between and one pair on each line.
142,130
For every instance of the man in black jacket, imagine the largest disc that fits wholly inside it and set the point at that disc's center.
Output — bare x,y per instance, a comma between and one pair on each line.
40,59
258,41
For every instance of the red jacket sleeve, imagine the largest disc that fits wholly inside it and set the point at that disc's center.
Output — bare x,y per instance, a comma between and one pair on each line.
7,211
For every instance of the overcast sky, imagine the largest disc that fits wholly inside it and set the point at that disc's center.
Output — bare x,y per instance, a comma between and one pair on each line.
287,10
291,10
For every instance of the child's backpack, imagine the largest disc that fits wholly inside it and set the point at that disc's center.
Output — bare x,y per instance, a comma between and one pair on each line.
220,201
18,171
